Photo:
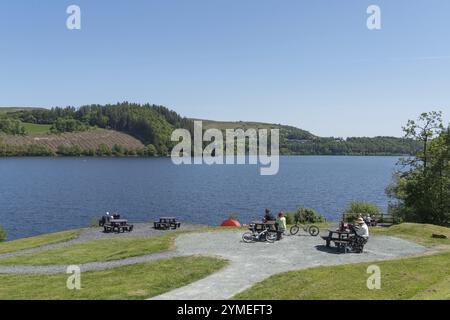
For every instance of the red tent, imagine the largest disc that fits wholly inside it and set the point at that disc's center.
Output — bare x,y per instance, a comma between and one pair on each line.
230,223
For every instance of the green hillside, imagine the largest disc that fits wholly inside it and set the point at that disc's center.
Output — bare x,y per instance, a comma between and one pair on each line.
153,125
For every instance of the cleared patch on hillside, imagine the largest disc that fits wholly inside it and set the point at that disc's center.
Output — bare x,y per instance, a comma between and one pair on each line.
86,140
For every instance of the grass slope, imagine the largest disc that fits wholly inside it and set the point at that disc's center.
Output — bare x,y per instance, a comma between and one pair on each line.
140,281
412,278
424,277
419,233
97,250
33,128
47,239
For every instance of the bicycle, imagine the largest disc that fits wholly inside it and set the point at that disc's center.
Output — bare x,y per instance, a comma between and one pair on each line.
255,235
311,229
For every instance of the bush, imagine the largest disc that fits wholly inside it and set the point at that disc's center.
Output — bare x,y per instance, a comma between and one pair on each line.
358,208
307,215
2,234
232,216
290,217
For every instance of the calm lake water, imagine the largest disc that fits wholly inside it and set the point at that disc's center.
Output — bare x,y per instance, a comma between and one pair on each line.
40,195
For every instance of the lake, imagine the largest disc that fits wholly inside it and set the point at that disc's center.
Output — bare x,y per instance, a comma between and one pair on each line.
41,195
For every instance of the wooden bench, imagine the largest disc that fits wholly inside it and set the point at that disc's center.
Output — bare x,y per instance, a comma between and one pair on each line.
166,223
118,228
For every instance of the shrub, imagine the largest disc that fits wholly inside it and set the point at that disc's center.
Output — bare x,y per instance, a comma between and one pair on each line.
308,215
2,234
232,216
290,217
357,208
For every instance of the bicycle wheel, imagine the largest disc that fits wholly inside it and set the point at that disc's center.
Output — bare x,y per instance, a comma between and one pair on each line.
313,230
294,230
247,237
270,237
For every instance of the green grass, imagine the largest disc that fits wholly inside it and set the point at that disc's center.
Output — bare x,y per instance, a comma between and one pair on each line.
419,233
102,250
32,128
47,239
140,281
425,277
97,250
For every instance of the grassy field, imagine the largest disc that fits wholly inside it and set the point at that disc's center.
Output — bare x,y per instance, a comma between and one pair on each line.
28,243
97,250
419,233
32,128
140,281
424,277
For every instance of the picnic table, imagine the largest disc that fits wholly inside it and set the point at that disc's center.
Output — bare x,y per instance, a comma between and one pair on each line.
166,223
118,225
261,225
339,237
345,240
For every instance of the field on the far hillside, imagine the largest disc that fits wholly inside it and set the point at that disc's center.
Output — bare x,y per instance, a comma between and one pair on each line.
91,139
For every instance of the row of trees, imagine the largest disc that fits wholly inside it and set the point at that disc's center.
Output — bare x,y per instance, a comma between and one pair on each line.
34,150
421,187
353,146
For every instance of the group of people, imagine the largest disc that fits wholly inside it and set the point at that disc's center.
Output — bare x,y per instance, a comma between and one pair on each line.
361,228
280,222
361,224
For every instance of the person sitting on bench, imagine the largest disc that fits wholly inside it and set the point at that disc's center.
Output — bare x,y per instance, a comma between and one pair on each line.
268,216
361,228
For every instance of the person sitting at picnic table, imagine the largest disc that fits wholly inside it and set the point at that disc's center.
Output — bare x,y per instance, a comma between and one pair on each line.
268,216
361,228
280,224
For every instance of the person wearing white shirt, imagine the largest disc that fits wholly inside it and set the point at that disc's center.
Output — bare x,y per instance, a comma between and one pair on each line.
362,229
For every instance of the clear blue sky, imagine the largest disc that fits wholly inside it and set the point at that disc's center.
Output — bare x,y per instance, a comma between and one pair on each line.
312,64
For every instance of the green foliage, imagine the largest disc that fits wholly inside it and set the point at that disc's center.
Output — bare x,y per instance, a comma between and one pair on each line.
2,234
28,150
351,146
104,150
11,126
232,216
62,125
422,190
151,150
360,208
307,215
69,151
290,217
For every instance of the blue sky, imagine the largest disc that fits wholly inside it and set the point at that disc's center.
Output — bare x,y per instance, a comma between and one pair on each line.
312,64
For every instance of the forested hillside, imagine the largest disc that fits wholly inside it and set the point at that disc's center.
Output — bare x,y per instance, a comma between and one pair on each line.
152,125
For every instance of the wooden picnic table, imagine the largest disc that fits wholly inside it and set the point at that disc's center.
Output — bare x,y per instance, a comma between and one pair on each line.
118,222
261,225
340,238
166,223
118,225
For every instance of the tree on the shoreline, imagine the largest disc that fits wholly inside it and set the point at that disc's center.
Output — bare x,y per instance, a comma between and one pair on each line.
422,187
